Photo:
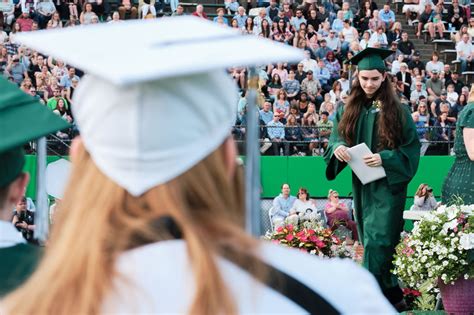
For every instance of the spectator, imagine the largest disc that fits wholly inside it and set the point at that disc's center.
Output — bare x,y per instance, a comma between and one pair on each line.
470,29
434,64
266,115
387,16
338,214
338,23
276,133
443,130
303,202
436,104
66,80
274,86
312,87
281,33
257,21
127,10
456,14
53,101
87,15
322,14
241,17
44,12
7,7
303,103
426,21
452,96
456,82
199,12
179,11
457,37
292,136
297,20
322,74
379,38
405,77
300,74
324,128
232,6
281,103
409,8
365,41
313,19
333,42
396,65
424,199
148,10
421,130
465,52
16,70
395,33
24,22
417,93
407,47
375,22
310,134
272,10
350,34
434,86
415,62
291,86
282,204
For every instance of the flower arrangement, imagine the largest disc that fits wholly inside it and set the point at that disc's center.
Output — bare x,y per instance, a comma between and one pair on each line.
376,106
439,248
310,235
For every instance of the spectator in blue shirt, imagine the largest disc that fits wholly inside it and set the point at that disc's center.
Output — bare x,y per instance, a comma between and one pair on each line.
297,20
291,86
276,133
66,80
241,17
282,204
387,16
266,114
322,74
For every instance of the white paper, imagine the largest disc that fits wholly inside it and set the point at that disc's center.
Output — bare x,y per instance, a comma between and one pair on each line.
57,176
366,174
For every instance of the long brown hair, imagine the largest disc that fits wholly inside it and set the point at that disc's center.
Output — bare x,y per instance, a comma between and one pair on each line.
98,220
390,115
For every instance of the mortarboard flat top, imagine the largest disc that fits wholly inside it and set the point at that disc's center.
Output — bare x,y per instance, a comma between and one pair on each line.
371,59
23,118
146,50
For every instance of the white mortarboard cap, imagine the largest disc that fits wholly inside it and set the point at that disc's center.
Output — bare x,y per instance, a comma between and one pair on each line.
157,99
57,176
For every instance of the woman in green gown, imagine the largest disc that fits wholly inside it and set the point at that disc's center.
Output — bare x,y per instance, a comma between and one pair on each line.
374,115
460,180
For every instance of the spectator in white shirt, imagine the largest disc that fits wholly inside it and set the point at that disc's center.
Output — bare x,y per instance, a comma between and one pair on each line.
465,52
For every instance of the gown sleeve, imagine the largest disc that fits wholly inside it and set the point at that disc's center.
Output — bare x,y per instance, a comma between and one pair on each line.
334,166
401,164
467,120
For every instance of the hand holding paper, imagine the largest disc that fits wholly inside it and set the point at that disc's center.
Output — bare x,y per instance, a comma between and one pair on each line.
366,165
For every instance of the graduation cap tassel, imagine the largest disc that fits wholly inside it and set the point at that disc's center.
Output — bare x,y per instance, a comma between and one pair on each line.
41,215
252,163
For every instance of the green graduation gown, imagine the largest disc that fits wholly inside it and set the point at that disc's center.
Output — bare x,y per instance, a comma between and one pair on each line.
379,205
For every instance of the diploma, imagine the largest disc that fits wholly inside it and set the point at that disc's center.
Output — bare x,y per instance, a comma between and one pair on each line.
365,173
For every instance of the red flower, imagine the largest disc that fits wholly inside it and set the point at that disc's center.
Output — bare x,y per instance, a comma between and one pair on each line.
289,237
290,227
279,229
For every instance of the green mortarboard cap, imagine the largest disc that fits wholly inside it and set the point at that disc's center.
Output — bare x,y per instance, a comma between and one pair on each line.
371,59
22,119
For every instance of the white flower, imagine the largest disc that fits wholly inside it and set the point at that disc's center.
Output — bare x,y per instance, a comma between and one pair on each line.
467,241
450,225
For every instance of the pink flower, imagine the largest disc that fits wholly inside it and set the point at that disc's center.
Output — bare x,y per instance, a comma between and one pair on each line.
290,227
279,229
289,237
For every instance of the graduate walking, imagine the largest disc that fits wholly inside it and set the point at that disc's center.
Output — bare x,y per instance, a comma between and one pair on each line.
374,115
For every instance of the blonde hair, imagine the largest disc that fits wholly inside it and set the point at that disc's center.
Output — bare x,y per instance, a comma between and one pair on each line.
332,192
99,220
471,94
420,189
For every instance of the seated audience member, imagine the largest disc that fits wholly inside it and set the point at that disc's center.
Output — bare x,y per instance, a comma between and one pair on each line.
292,135
303,202
282,205
465,53
424,199
324,128
337,214
127,11
276,133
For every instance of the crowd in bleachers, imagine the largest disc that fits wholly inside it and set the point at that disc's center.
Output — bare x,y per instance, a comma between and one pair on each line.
297,102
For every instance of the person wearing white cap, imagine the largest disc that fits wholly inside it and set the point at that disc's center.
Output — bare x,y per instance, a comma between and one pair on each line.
154,208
